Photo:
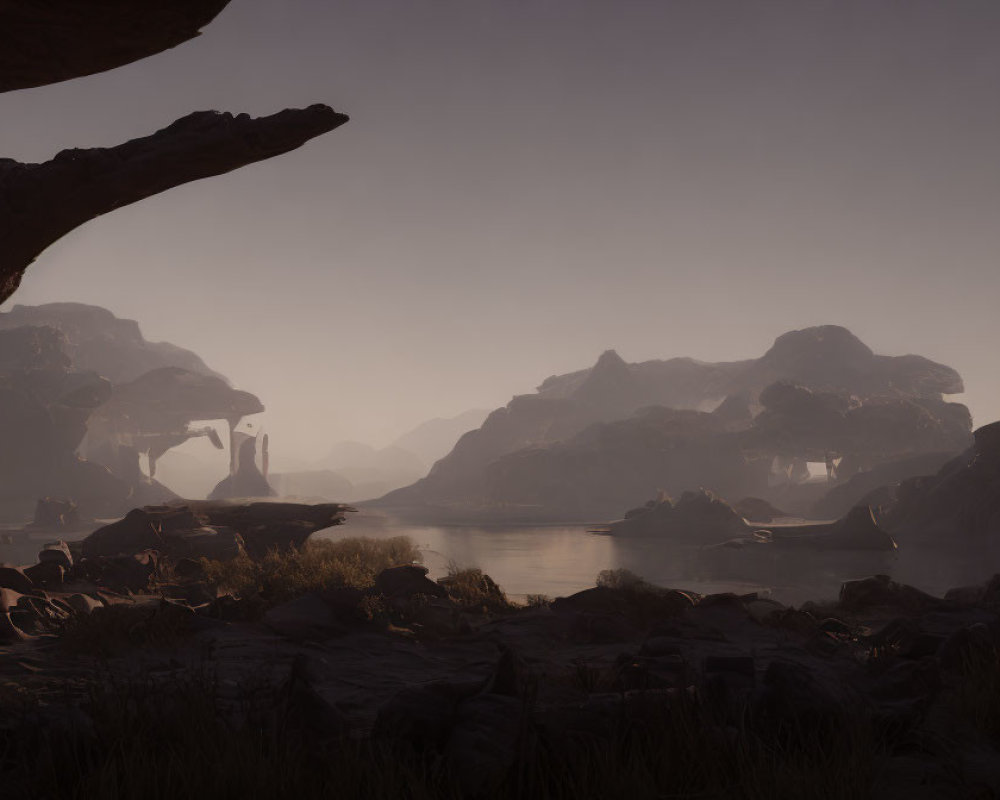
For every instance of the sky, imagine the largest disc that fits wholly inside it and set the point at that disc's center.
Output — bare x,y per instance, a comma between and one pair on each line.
526,183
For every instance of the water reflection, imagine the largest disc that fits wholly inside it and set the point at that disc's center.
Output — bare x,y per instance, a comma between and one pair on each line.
550,560
560,560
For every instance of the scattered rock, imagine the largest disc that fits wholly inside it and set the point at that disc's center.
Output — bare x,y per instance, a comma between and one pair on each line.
406,581
16,579
57,553
880,591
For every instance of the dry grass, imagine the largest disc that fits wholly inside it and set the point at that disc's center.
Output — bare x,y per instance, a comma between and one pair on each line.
159,742
321,564
472,590
624,580
977,696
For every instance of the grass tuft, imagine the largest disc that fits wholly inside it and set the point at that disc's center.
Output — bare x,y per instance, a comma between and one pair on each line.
320,564
473,590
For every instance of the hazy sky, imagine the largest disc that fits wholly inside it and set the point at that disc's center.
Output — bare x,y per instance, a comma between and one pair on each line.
525,183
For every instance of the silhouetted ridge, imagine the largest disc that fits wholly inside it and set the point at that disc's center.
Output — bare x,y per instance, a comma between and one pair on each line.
591,442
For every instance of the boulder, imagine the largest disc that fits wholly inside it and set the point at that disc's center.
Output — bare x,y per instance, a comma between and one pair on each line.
403,582
57,553
15,578
880,591
46,575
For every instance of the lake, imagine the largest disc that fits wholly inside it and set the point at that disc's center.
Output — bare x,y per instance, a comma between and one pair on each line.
557,560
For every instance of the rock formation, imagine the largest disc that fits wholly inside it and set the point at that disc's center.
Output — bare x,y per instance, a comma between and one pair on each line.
205,529
56,41
72,435
40,203
246,480
592,442
42,43
959,507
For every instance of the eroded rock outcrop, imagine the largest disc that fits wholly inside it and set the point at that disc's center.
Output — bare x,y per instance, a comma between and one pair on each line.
212,530
40,203
46,405
42,43
73,436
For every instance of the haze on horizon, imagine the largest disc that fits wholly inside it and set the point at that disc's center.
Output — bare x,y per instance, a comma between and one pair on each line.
524,185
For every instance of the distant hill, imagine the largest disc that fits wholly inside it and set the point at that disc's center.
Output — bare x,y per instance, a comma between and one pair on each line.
372,471
584,431
98,341
434,439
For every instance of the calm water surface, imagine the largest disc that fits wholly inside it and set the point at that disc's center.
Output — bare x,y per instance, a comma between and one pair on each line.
560,560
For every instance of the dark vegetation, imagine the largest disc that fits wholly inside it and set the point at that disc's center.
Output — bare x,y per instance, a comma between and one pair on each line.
188,731
142,740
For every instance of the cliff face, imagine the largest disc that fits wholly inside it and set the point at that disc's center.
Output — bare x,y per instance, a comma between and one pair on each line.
46,405
84,396
586,445
98,341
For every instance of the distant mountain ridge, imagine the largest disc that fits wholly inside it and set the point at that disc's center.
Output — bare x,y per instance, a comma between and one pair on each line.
98,341
822,359
434,439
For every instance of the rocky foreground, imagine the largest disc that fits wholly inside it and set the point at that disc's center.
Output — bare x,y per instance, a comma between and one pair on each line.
898,688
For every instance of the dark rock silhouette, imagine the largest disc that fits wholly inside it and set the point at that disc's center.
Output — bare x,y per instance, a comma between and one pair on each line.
874,487
196,529
43,202
59,40
959,506
42,43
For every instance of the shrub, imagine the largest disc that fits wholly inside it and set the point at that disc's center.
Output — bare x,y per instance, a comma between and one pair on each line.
472,590
624,580
320,564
